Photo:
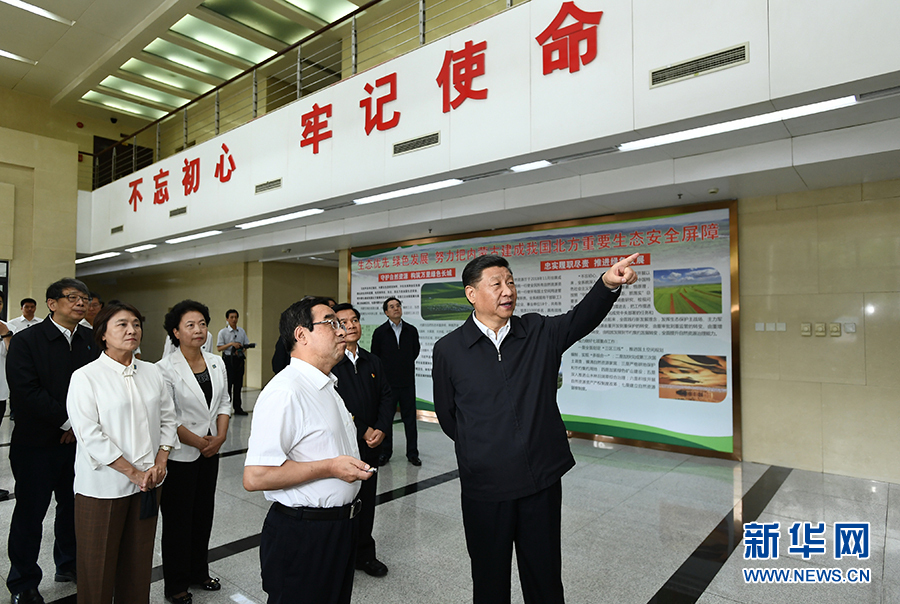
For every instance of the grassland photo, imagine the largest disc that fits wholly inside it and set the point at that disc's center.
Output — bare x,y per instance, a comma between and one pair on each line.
687,291
444,302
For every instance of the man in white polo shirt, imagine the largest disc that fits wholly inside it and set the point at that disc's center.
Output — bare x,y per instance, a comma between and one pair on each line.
303,453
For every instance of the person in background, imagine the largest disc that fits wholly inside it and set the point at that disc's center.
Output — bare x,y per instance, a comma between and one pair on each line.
495,384
5,335
396,343
124,422
198,384
363,386
27,318
230,343
92,310
302,452
39,365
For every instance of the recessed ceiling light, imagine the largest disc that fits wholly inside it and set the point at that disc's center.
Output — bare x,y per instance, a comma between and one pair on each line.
283,218
432,186
541,163
15,57
102,256
194,236
140,248
39,11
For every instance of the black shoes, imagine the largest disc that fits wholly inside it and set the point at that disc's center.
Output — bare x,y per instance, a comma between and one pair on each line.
29,596
68,576
4,494
383,459
415,461
240,412
373,568
210,585
187,598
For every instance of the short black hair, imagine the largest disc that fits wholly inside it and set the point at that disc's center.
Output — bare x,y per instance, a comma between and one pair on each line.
96,295
346,306
384,306
173,317
27,301
55,290
331,301
471,275
298,314
232,310
112,307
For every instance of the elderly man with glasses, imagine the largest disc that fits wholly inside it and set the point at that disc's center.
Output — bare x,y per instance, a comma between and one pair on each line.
39,365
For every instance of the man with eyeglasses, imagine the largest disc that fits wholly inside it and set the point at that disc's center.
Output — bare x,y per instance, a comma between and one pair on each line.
363,385
39,364
302,453
94,307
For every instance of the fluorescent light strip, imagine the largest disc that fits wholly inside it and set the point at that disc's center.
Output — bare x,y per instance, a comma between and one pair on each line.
194,236
747,122
275,219
140,248
103,256
432,186
39,11
541,163
15,57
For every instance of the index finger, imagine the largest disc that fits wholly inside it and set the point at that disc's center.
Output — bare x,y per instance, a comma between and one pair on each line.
630,260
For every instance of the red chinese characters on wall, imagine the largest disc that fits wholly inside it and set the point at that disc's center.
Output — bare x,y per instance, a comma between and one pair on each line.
161,194
223,173
135,194
191,180
565,42
315,128
459,70
375,119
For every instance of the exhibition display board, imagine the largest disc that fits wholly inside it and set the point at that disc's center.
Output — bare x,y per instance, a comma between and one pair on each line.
660,369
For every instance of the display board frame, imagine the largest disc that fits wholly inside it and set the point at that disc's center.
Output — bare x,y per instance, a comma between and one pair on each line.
733,311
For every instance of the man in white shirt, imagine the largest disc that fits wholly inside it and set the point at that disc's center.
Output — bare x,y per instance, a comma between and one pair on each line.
27,318
231,343
303,454
93,308
5,334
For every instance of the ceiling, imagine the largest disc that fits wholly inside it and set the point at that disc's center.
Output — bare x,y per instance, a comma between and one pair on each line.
145,59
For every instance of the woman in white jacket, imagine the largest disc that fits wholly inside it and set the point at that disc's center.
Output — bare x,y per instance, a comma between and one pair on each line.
124,422
198,384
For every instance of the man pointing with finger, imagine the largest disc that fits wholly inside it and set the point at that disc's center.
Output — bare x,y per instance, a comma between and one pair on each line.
495,383
303,453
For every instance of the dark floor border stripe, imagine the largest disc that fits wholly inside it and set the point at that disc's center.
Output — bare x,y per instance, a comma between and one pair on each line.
233,453
247,543
692,578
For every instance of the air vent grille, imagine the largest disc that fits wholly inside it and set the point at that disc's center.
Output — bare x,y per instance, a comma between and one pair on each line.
117,229
415,144
268,186
178,211
730,57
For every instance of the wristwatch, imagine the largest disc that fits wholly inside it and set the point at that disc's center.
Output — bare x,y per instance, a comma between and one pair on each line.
166,448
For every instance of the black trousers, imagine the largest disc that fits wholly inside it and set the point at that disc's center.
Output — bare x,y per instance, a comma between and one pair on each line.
187,510
406,397
40,473
365,548
307,561
531,523
234,368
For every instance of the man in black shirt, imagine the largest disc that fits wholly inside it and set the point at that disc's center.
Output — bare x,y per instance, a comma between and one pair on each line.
363,386
495,384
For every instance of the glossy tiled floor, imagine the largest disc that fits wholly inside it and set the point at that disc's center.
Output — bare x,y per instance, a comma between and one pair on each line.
639,526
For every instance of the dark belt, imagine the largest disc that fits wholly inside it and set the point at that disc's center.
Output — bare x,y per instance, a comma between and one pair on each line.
345,512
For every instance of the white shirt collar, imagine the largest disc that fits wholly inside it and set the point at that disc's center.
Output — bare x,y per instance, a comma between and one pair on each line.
318,379
353,357
66,332
497,338
116,366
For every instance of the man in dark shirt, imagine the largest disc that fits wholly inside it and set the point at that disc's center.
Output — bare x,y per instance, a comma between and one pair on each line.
363,386
39,366
396,343
495,383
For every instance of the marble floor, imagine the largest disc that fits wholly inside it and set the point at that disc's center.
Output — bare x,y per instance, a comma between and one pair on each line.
639,526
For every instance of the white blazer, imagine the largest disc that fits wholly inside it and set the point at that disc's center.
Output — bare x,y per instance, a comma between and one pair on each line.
190,403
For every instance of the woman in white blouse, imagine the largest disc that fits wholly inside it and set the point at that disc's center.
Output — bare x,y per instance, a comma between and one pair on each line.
124,422
199,386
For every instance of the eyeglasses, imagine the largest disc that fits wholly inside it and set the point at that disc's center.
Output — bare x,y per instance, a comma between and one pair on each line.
73,298
335,324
